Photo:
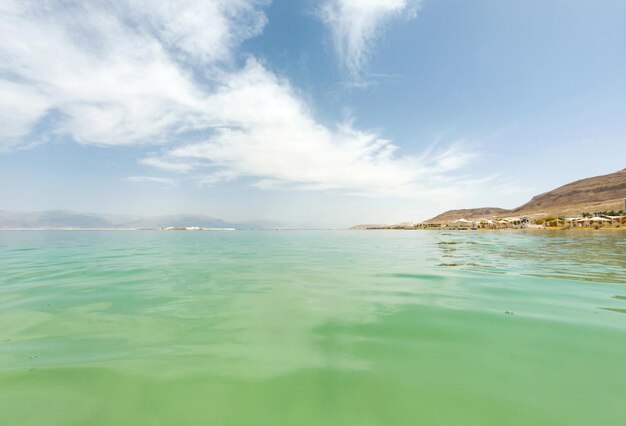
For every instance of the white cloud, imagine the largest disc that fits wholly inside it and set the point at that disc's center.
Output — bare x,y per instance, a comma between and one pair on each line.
152,179
263,130
204,30
20,108
114,74
355,25
175,166
161,72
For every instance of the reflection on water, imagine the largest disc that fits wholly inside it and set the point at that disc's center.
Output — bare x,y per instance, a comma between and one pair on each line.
599,257
359,324
254,303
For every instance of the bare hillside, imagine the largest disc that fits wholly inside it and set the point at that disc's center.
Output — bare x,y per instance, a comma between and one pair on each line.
485,212
599,193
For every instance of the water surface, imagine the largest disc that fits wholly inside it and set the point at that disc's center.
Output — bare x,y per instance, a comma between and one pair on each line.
312,328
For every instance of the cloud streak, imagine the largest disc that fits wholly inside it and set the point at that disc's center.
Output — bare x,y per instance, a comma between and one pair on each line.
152,179
356,24
263,130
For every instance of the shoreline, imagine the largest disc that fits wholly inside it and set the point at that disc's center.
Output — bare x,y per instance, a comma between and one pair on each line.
583,229
113,229
496,230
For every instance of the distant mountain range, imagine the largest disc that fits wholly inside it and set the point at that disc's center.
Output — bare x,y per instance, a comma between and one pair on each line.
595,194
60,219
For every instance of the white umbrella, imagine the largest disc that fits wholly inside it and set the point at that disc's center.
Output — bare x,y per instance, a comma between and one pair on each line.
599,219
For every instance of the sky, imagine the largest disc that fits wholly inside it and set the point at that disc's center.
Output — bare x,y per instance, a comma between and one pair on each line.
306,113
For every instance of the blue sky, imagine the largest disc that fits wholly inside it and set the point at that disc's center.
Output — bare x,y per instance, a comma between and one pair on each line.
316,112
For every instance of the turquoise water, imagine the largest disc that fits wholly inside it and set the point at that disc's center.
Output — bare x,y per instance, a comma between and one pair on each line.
312,328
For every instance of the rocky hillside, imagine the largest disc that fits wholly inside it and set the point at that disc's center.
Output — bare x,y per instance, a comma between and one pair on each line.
593,194
599,193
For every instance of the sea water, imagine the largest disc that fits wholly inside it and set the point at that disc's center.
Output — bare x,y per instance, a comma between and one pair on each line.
312,328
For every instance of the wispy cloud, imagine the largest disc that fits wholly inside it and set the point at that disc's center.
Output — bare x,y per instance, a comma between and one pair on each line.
166,164
263,130
161,72
152,179
356,24
118,74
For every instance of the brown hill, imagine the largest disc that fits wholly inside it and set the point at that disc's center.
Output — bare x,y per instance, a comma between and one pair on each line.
599,193
481,212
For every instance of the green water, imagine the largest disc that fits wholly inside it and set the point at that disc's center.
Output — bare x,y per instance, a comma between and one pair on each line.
312,328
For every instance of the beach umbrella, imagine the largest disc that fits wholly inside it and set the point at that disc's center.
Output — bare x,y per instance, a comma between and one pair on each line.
461,221
614,218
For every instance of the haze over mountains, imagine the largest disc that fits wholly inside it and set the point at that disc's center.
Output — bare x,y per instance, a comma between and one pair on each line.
60,219
600,193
